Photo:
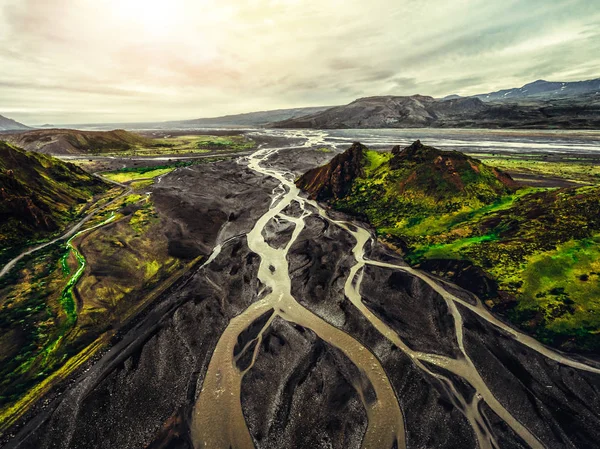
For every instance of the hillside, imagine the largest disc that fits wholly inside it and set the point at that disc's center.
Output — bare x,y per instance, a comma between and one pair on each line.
417,180
531,253
7,124
70,141
421,111
39,195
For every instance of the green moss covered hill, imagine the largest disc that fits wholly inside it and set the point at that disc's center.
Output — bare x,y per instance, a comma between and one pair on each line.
532,254
39,195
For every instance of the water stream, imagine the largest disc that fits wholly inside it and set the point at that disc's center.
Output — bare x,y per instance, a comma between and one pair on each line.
218,421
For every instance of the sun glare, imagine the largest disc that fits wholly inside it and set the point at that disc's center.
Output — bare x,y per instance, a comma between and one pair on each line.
155,17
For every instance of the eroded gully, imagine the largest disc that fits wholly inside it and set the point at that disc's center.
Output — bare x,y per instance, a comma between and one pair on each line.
218,420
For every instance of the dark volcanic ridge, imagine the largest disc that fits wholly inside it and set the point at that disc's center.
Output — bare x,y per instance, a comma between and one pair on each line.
333,180
420,111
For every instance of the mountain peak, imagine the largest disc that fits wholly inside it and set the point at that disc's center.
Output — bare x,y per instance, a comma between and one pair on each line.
333,181
417,152
427,172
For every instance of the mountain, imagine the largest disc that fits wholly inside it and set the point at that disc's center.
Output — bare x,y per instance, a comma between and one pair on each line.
420,111
420,177
39,194
70,141
388,112
7,124
545,90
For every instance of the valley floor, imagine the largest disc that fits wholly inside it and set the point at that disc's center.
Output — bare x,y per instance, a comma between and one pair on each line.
213,305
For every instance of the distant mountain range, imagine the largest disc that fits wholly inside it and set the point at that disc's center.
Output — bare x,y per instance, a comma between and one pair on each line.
419,111
545,90
388,112
252,119
541,104
247,120
7,124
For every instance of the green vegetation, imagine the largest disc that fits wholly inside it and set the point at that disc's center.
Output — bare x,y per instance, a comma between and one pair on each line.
140,185
40,196
32,322
541,250
179,145
138,176
71,141
578,170
539,246
420,193
124,143
61,304
142,173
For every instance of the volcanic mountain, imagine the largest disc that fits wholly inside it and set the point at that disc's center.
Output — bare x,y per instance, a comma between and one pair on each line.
39,194
70,141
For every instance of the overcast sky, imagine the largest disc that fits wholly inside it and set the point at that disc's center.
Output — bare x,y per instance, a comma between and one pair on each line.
82,61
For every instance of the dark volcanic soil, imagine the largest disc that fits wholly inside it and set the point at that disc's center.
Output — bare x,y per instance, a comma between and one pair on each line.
301,391
202,202
314,405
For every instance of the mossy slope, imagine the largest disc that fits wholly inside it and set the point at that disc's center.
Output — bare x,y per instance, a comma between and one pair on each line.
530,252
39,195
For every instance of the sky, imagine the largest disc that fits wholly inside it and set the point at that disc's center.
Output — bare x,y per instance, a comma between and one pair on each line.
103,61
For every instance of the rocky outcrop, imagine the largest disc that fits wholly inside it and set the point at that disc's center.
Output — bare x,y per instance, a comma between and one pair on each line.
333,180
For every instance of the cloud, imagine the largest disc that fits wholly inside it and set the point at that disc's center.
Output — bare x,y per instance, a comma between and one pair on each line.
66,61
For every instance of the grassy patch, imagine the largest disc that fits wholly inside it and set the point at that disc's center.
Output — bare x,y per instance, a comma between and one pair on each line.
140,185
578,171
133,175
179,145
